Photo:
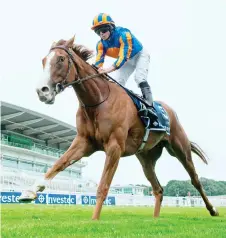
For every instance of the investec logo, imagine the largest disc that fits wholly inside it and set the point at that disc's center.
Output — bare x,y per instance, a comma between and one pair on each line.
91,200
61,199
55,199
41,198
85,200
9,197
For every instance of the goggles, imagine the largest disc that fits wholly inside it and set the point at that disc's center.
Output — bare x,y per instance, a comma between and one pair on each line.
102,29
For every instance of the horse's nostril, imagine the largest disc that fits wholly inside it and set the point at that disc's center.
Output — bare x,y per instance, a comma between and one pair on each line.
45,89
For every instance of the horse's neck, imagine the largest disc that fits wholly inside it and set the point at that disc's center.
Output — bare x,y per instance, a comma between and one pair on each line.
92,91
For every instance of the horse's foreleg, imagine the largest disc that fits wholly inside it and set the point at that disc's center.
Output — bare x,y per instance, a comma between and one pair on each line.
113,152
78,149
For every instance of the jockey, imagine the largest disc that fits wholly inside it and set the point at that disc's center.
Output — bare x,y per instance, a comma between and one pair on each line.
120,43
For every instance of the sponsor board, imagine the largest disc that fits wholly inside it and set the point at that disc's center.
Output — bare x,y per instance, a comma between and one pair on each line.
43,198
10,197
61,199
91,200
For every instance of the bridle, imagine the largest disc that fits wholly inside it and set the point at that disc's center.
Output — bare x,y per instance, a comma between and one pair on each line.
64,84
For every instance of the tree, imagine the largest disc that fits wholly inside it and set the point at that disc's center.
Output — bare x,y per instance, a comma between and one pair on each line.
181,188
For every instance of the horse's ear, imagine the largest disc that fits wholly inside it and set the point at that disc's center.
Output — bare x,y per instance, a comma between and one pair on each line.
54,44
70,42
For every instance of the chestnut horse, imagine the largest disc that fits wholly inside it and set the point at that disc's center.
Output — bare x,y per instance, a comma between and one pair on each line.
107,120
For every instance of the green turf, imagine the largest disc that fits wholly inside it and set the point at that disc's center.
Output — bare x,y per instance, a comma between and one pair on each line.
31,220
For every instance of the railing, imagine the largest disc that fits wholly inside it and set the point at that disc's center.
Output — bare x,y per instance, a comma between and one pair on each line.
17,179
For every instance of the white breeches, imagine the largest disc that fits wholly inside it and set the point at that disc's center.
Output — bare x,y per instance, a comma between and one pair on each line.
139,63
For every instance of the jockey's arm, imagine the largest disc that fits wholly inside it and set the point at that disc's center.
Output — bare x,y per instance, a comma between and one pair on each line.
125,49
100,55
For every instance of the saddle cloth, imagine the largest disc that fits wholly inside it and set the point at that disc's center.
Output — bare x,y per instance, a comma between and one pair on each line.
146,115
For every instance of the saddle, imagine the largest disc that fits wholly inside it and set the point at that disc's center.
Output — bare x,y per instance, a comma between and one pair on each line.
145,112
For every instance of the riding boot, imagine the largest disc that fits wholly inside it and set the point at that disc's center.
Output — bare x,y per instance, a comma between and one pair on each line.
146,92
147,95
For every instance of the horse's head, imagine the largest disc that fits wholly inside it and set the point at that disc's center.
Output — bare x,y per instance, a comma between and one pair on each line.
59,68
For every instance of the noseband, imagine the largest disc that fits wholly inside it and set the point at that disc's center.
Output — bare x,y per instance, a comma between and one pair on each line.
64,84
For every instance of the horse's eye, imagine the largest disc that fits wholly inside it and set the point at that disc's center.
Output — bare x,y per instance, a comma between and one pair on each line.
61,58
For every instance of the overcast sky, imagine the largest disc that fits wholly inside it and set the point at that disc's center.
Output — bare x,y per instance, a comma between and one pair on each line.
187,43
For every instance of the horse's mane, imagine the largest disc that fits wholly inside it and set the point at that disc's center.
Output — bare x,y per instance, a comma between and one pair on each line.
80,50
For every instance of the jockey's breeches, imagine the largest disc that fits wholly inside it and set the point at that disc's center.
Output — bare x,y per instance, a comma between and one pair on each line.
139,63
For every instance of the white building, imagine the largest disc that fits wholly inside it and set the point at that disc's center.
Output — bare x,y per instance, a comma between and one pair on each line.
129,189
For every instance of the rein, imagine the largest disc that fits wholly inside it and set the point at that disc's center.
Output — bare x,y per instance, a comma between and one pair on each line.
61,86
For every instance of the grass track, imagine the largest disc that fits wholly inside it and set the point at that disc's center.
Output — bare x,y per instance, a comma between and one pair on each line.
42,221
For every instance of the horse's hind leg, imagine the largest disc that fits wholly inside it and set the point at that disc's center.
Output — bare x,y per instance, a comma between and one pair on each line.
148,160
180,147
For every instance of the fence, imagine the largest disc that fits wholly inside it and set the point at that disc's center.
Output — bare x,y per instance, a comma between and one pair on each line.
118,200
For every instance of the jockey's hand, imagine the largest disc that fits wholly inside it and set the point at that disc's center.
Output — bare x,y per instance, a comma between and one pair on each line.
106,70
100,70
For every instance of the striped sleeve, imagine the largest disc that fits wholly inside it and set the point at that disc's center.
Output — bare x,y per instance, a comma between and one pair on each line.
125,49
100,54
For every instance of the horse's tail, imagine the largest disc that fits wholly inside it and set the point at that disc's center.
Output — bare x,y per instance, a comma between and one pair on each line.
198,151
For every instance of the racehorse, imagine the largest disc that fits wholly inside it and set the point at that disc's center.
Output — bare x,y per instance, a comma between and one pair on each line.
107,120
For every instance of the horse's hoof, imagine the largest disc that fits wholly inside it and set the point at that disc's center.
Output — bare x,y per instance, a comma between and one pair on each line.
214,212
27,197
40,188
